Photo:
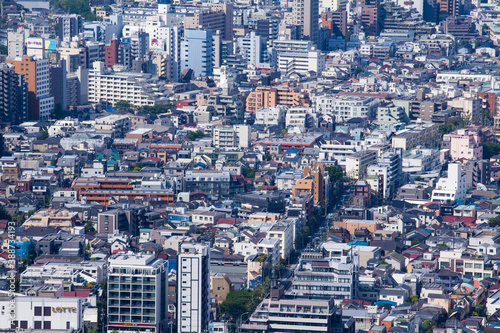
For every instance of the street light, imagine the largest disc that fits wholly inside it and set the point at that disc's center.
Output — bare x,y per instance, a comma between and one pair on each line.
241,319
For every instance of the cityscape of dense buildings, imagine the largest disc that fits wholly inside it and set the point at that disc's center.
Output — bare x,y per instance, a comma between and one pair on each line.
249,166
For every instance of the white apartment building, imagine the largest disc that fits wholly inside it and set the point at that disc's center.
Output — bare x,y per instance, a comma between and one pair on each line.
117,124
270,116
300,118
452,187
285,233
301,63
110,87
254,50
420,160
344,108
16,44
237,136
325,277
193,288
356,164
63,126
137,293
45,100
338,152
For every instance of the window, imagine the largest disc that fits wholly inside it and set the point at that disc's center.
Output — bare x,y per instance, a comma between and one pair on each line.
38,325
24,324
46,311
46,325
38,310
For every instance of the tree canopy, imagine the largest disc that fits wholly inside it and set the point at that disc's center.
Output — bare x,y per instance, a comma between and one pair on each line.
335,173
195,135
80,7
490,149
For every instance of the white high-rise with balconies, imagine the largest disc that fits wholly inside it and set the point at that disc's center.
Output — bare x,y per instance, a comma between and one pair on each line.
137,293
452,187
193,288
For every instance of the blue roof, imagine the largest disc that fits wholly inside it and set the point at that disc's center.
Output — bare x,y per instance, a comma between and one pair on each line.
110,110
292,150
358,243
386,302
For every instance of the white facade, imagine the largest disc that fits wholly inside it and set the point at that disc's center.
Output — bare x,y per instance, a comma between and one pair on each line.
337,152
253,49
193,288
346,107
136,88
61,126
452,187
270,116
44,313
16,45
301,63
300,118
118,124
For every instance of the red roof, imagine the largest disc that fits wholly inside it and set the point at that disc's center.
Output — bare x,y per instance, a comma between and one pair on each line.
77,293
229,221
154,159
359,301
470,221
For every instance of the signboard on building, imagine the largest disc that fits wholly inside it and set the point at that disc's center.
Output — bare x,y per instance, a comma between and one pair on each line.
50,44
34,43
157,45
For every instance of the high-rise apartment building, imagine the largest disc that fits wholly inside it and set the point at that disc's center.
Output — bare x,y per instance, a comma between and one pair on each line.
196,52
193,288
15,44
306,15
137,293
336,22
13,96
448,8
220,17
69,26
37,77
172,38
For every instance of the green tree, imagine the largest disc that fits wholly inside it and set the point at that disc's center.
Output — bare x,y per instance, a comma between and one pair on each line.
249,172
490,149
89,227
80,7
4,214
446,128
239,302
123,106
336,173
31,212
413,299
284,131
44,134
137,167
4,50
426,326
195,135
478,310
154,109
58,112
